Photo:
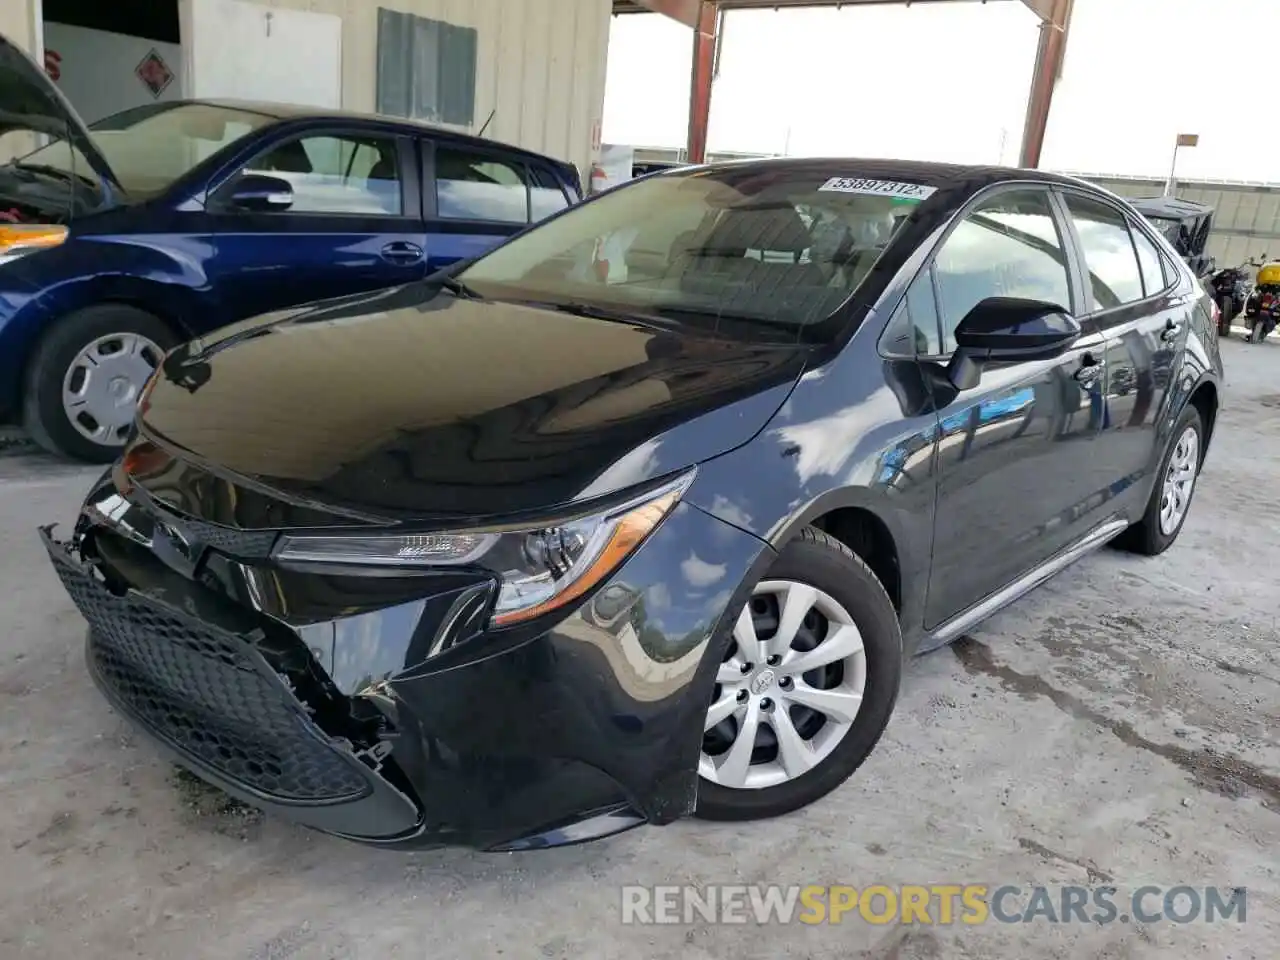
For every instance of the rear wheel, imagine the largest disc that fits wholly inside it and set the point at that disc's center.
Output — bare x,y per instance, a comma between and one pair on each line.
1171,496
83,383
806,686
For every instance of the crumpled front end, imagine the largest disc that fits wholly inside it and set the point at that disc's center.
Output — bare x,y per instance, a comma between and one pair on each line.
219,696
380,708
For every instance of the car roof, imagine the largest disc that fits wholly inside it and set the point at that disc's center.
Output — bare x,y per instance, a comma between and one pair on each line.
289,111
943,176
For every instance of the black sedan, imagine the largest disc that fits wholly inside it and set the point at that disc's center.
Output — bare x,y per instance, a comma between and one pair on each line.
637,516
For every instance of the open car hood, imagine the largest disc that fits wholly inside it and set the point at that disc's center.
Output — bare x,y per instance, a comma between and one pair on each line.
30,101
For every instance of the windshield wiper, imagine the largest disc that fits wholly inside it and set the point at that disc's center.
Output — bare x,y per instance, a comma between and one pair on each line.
695,316
592,311
456,287
667,317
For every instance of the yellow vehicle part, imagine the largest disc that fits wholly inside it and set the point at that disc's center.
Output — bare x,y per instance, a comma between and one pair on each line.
1269,274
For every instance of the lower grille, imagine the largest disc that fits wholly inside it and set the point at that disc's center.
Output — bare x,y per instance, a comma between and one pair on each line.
208,694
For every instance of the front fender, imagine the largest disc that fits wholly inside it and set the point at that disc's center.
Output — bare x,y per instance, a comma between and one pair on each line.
856,434
163,276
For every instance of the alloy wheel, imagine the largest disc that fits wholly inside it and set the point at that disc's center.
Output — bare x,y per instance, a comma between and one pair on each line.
788,691
101,386
1179,481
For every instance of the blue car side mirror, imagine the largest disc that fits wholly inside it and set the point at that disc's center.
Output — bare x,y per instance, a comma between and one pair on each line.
257,192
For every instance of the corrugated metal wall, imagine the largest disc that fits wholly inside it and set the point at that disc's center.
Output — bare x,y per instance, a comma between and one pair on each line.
540,64
1246,220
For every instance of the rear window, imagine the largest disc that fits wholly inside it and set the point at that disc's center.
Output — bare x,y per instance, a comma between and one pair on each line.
735,243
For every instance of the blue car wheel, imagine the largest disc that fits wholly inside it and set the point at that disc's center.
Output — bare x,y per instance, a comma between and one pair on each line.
83,383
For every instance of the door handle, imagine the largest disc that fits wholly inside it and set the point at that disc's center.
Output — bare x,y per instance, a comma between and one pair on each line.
1090,370
1171,330
402,252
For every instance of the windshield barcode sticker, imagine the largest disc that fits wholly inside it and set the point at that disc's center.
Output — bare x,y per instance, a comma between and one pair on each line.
878,188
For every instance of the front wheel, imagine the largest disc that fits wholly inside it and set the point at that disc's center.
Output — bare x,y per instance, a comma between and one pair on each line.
83,383
805,687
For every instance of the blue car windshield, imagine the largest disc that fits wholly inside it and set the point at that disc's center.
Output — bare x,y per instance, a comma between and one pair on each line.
150,147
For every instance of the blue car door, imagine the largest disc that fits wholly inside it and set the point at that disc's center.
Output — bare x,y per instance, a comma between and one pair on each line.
477,196
352,222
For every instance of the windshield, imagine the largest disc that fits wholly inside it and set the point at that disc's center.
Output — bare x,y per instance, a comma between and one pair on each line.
735,243
150,147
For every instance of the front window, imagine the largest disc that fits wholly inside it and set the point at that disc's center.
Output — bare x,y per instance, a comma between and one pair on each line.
356,175
148,148
1009,246
736,244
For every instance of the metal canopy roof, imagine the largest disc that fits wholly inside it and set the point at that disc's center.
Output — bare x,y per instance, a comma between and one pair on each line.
686,11
704,17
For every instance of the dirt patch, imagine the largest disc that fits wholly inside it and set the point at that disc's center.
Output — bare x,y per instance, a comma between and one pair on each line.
206,805
1095,874
1226,775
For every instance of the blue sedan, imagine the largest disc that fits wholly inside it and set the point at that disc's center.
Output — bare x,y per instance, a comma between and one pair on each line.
165,222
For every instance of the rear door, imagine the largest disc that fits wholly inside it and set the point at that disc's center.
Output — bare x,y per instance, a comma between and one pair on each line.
476,197
355,223
1015,484
1131,297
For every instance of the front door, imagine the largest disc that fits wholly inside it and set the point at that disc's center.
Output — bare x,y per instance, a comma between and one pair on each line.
1131,295
1014,476
354,225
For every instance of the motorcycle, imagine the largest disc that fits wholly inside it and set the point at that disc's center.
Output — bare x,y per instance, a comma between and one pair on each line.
1230,288
1263,306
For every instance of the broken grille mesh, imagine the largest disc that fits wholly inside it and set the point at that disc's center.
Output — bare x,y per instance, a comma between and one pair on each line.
207,694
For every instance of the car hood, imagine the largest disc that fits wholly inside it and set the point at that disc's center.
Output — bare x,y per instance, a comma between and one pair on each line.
415,404
29,100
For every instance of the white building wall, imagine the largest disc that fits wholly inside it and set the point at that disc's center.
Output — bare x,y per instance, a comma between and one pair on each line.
97,70
540,64
20,22
250,51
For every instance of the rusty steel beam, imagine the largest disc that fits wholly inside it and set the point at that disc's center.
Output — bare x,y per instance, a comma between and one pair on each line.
704,62
1044,78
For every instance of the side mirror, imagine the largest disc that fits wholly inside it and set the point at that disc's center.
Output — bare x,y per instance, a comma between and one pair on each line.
257,192
1008,329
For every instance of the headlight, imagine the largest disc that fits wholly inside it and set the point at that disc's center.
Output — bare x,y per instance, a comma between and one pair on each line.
539,568
17,240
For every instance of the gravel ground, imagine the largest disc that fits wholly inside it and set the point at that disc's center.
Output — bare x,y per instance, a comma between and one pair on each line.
1120,725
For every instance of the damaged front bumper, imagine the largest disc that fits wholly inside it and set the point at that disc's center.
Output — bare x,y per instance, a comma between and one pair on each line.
513,740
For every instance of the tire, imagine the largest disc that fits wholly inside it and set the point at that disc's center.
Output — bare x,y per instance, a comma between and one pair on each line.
1148,537
811,560
43,413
